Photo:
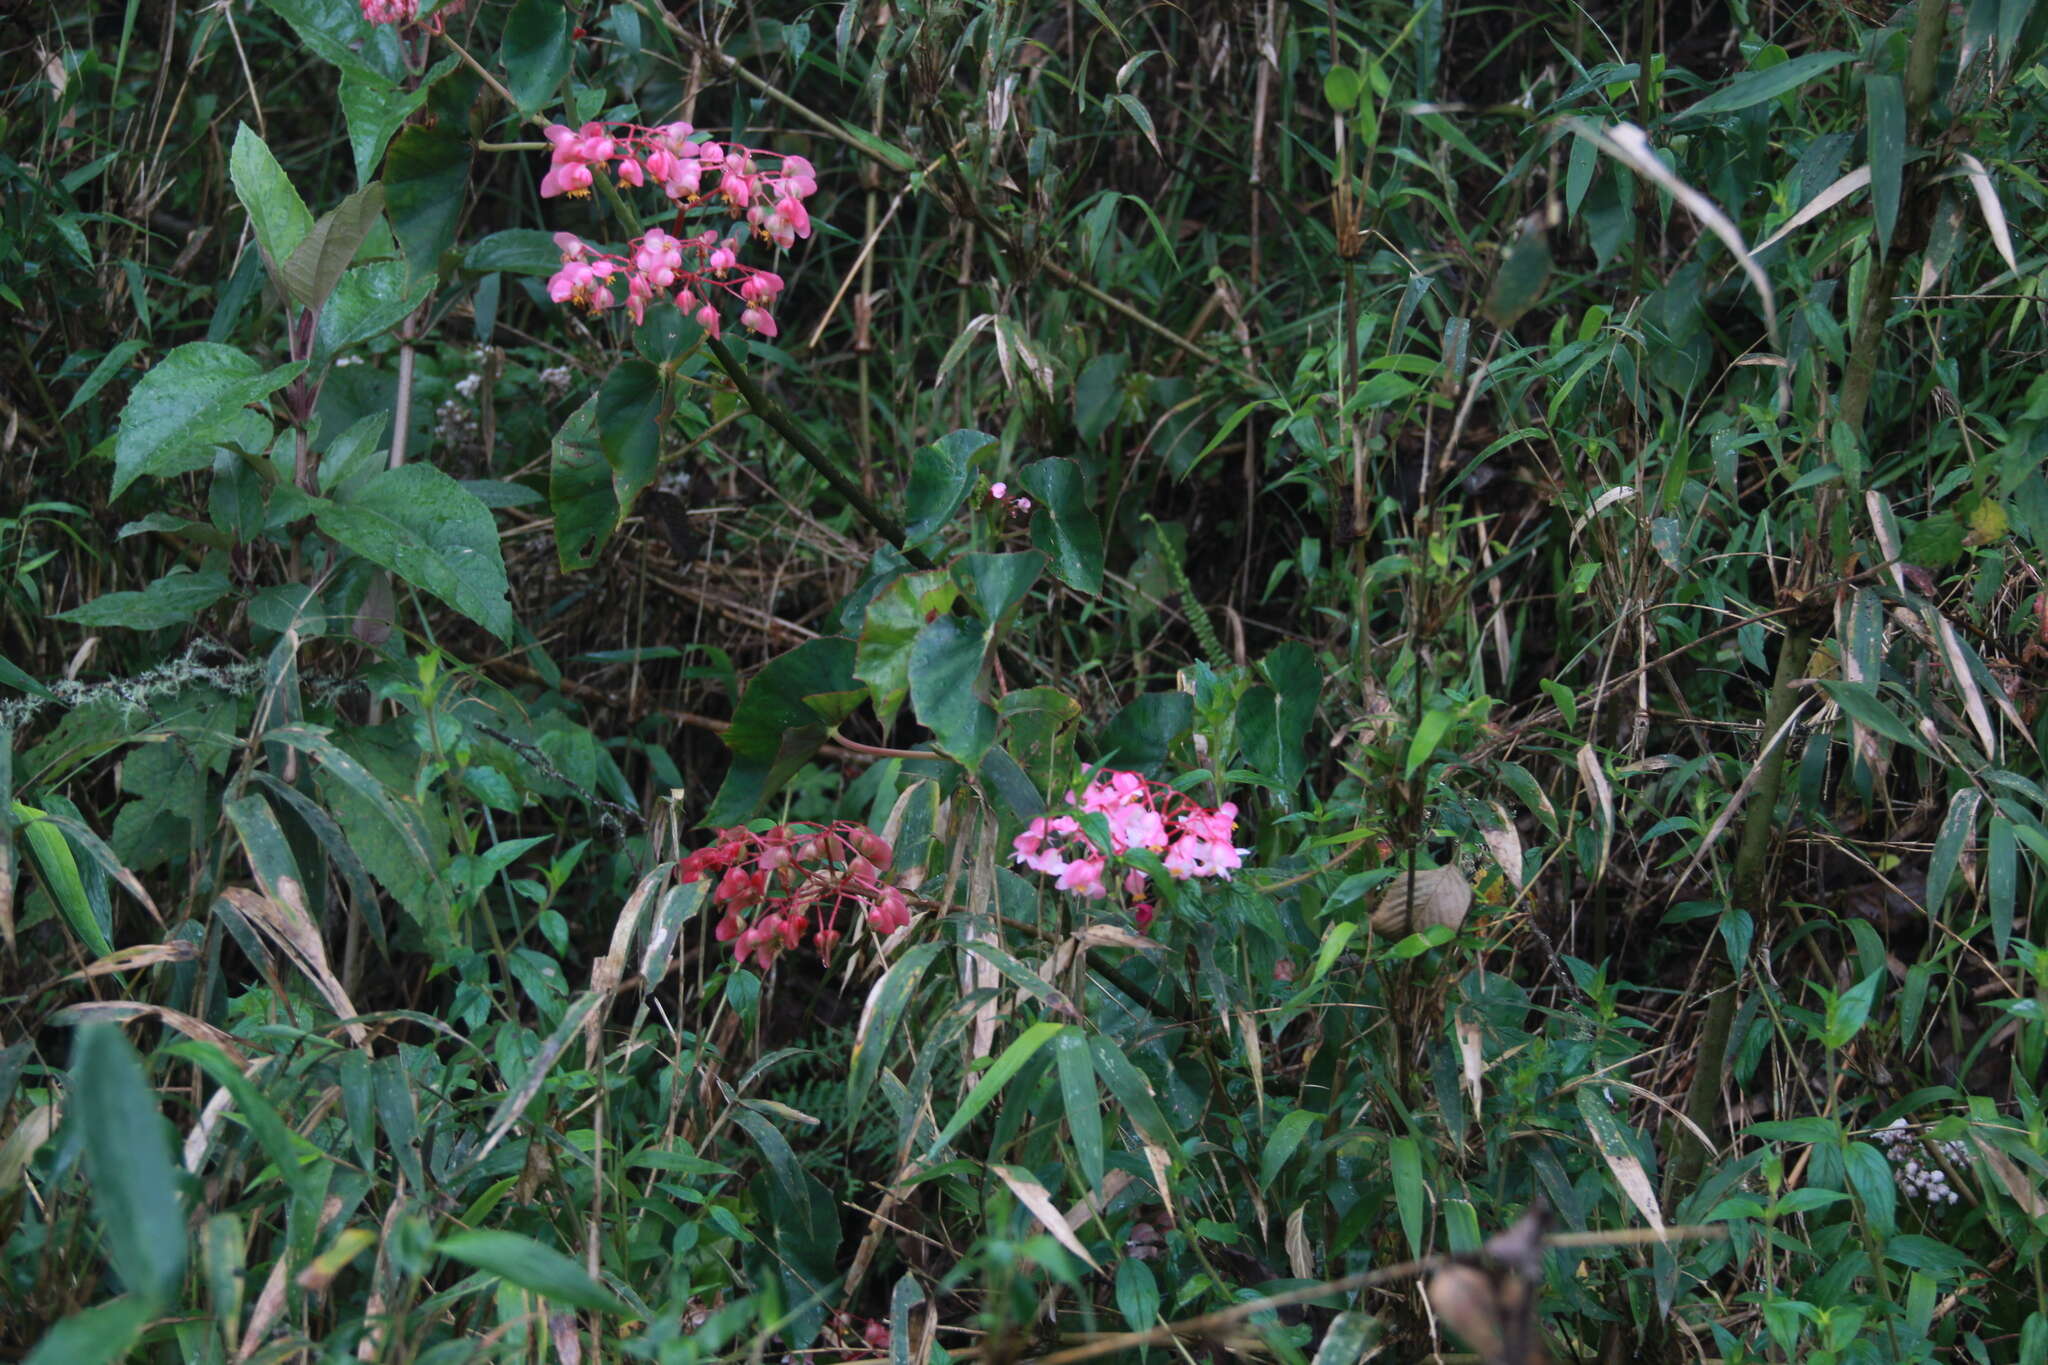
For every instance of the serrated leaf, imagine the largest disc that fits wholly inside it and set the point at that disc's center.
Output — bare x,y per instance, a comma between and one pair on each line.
889,630
276,212
374,110
432,532
188,402
176,598
336,31
367,302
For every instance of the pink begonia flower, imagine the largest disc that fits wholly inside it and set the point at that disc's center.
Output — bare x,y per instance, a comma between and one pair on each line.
1143,914
1083,876
998,491
1140,814
763,189
1021,507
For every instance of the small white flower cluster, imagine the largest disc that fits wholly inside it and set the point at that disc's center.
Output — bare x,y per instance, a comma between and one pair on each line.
556,379
1914,1166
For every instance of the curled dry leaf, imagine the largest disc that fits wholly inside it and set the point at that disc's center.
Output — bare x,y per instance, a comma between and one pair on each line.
1441,895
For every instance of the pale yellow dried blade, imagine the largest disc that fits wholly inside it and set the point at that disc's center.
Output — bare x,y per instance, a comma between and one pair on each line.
1032,1196
1994,212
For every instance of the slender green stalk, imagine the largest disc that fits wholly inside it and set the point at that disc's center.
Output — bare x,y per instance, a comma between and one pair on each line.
776,416
1752,865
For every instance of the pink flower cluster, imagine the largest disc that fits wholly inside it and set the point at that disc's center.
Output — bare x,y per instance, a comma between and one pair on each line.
765,190
688,270
1193,840
407,12
774,886
999,493
770,197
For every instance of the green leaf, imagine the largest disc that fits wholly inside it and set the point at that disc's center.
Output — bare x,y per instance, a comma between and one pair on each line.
580,491
781,719
1885,99
1349,1340
1850,1011
1083,1103
100,1335
2001,877
176,598
940,476
517,251
535,53
1518,283
1063,523
1140,735
1754,87
1137,1294
14,676
127,1149
878,1018
111,364
374,110
1099,396
369,301
336,31
1411,1200
1427,736
995,1078
1341,88
1286,1137
1925,1253
1859,702
1133,1093
995,584
889,629
1870,1177
529,1265
276,212
59,869
429,530
190,401
315,264
425,175
628,418
945,674
268,1128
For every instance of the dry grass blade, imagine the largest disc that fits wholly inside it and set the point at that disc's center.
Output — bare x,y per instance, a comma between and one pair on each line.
1630,145
1994,212
1819,204
298,940
120,1011
1033,1196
